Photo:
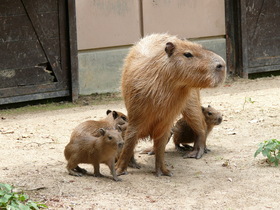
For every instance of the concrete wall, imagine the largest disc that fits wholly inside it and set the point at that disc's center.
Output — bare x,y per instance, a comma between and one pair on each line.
107,28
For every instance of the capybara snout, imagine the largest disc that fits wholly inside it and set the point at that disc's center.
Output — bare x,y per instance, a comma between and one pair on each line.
212,116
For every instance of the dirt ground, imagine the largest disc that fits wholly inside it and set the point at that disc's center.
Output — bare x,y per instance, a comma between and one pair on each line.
229,177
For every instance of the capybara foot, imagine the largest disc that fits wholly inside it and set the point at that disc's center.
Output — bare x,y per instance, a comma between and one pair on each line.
149,151
80,170
120,172
133,164
74,173
165,172
195,153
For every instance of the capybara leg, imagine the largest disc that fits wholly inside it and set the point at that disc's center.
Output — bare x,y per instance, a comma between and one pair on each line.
133,164
159,148
111,165
96,172
194,117
198,149
81,170
127,151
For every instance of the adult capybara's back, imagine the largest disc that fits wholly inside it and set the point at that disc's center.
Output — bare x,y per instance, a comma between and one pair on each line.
158,74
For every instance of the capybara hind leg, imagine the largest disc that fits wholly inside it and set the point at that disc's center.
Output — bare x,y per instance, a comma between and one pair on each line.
159,148
127,151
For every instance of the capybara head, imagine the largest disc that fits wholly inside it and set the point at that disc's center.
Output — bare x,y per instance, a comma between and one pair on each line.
119,118
177,61
111,137
212,116
192,61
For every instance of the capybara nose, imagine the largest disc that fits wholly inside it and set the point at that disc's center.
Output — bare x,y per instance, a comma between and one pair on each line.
120,144
220,67
220,119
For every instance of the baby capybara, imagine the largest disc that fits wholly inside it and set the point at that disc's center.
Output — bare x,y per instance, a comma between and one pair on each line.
183,133
86,148
158,75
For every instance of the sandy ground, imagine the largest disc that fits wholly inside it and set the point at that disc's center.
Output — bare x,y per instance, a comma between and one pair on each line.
32,144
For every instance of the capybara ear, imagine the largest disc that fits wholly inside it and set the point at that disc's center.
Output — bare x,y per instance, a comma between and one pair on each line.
102,131
108,111
169,49
115,114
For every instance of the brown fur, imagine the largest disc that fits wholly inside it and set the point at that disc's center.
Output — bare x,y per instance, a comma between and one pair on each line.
86,148
158,76
183,133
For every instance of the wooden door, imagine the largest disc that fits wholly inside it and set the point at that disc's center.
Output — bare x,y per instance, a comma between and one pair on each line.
253,36
35,50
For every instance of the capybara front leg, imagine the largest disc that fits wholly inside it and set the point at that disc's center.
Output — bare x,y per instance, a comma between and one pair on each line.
199,147
195,119
159,148
127,151
111,165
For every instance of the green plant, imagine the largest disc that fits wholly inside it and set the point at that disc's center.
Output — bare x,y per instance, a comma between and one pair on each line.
248,100
271,150
13,200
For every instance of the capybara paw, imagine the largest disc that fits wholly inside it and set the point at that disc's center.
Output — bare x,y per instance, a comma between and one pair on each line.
163,173
120,172
194,154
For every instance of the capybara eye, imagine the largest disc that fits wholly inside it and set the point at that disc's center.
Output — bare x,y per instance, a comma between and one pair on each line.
124,118
188,55
209,113
110,137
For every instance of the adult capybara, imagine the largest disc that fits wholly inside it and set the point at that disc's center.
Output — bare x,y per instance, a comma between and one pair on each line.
158,75
184,134
86,148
